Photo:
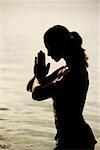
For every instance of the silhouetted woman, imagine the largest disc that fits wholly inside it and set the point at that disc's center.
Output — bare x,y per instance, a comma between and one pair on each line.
67,86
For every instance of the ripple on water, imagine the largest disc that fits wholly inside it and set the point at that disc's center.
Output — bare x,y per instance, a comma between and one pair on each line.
4,108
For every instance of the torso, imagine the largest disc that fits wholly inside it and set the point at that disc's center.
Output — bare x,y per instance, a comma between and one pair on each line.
69,99
70,91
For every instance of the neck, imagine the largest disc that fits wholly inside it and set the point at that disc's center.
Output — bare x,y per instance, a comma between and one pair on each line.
72,64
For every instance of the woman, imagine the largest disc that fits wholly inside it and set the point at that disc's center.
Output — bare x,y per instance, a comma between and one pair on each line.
67,86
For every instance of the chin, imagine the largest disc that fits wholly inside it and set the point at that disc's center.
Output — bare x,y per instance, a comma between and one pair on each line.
56,59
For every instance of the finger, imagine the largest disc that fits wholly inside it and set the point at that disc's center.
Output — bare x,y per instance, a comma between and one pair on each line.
41,58
36,62
35,66
42,52
28,87
48,67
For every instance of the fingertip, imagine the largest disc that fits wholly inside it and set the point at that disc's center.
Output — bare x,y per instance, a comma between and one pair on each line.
49,65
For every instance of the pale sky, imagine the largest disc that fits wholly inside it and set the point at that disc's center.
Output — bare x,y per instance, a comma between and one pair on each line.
27,20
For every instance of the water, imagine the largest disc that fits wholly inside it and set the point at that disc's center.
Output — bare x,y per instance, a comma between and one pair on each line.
26,124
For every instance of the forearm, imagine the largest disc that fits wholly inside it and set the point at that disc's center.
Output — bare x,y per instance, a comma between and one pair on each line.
50,78
44,88
42,91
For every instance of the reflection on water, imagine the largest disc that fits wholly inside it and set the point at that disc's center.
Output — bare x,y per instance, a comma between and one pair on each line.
27,124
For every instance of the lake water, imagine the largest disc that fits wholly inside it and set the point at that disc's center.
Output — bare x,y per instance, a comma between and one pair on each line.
27,124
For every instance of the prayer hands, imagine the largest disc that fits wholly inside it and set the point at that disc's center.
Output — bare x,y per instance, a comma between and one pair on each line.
40,68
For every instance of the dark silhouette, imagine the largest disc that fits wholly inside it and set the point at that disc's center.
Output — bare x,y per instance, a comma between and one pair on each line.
67,86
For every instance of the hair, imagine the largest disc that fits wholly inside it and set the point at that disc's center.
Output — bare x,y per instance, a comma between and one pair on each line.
56,34
76,50
62,36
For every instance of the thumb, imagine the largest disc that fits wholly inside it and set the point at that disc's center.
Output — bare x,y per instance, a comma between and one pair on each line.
48,67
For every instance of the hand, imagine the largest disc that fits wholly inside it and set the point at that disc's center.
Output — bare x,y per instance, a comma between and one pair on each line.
40,68
30,84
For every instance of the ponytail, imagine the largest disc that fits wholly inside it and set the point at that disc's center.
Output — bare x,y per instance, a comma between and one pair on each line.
75,39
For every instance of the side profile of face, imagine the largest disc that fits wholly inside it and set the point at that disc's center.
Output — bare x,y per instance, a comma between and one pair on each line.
54,50
55,40
61,43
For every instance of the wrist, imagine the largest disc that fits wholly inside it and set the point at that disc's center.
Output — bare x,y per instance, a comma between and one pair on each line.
41,80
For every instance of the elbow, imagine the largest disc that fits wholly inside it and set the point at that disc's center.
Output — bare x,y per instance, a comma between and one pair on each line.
39,95
35,97
36,94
